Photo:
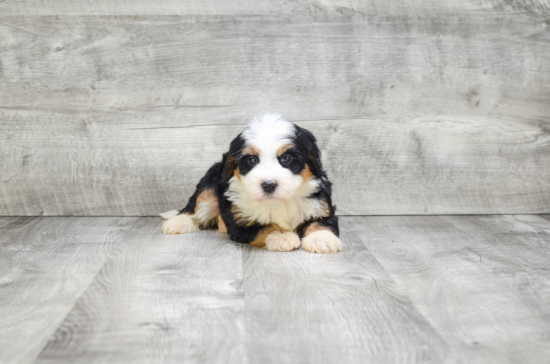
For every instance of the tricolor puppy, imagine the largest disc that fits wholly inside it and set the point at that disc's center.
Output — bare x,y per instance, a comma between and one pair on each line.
269,190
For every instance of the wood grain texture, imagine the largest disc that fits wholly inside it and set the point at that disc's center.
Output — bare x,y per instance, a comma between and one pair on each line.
406,289
482,282
540,222
122,115
163,299
521,241
417,8
45,265
314,308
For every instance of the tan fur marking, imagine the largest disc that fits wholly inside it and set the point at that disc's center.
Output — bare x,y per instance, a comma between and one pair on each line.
315,227
222,228
259,240
230,166
313,161
205,225
306,174
283,149
237,173
251,150
326,209
207,195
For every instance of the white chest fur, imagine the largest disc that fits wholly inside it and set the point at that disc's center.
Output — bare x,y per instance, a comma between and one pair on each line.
287,214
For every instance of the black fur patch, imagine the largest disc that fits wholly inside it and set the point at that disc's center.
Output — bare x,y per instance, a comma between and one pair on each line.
297,162
245,165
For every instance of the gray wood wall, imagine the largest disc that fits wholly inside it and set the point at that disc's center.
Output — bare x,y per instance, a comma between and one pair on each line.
420,107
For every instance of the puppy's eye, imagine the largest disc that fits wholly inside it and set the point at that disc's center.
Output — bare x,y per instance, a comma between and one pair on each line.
285,160
253,161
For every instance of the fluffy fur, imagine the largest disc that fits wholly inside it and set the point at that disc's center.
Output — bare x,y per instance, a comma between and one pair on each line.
269,190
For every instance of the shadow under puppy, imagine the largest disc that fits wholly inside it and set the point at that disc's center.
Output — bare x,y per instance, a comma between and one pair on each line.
269,190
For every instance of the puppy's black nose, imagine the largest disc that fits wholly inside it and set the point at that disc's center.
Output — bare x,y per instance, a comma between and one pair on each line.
269,186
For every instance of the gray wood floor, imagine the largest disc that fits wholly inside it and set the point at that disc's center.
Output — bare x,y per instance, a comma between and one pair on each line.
407,289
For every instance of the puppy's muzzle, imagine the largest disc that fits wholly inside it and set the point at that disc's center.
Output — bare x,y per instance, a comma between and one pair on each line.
269,187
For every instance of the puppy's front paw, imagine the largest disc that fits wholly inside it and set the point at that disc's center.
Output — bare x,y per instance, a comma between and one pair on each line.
282,242
322,241
181,224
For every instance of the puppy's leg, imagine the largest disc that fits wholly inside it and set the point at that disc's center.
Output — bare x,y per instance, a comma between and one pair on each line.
321,236
181,224
201,213
202,209
275,238
221,225
272,237
282,241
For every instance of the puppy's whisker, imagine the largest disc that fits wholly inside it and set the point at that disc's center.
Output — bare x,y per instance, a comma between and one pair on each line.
296,137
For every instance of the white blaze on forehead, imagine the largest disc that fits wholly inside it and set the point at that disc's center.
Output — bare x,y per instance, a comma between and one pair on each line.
268,133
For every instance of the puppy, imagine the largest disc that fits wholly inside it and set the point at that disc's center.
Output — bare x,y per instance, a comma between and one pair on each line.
269,191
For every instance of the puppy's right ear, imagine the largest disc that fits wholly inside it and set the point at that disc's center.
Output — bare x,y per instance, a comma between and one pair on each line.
228,166
230,157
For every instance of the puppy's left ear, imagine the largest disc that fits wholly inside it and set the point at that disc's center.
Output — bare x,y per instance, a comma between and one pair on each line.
314,154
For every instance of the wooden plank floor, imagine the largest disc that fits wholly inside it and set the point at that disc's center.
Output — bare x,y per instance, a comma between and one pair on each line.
406,289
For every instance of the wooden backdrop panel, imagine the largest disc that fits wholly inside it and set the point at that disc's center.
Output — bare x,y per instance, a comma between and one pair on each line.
121,115
415,8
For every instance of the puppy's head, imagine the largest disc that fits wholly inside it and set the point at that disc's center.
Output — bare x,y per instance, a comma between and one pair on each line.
274,160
